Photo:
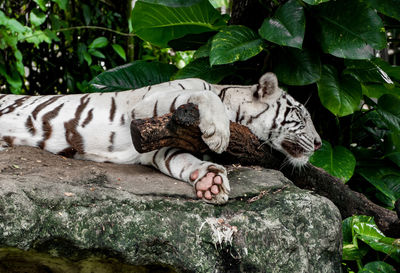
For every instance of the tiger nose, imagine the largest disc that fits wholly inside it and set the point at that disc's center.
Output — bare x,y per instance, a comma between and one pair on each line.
317,144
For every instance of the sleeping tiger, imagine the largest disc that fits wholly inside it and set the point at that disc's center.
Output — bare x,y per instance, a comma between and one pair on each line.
96,126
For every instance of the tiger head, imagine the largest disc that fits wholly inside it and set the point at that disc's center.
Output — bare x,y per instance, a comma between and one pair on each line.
278,119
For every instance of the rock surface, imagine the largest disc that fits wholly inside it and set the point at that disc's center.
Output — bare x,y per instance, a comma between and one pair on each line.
64,215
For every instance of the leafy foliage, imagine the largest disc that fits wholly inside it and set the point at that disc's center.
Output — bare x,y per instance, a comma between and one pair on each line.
360,235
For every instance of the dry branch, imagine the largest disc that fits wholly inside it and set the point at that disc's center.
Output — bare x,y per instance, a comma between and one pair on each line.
180,129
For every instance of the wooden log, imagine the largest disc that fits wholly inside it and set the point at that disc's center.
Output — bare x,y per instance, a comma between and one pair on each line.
180,129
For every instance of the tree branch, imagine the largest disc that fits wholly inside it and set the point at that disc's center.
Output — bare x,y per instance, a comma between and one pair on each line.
180,129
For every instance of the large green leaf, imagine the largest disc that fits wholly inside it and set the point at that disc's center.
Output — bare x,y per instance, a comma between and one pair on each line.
315,2
361,227
375,90
392,147
160,24
389,110
287,27
296,67
234,43
367,71
377,266
384,179
349,29
340,95
371,235
392,71
131,76
388,7
191,41
337,161
200,68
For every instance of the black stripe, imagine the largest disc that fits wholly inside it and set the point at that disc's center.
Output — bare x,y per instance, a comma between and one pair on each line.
181,86
155,114
276,115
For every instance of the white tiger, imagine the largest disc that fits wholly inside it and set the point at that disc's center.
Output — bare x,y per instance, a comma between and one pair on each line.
96,126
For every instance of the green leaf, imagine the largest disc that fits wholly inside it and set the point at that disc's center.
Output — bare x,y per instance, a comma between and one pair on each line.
87,16
119,50
377,267
173,3
200,68
36,17
390,8
349,29
384,179
388,108
366,71
159,24
191,41
203,51
287,27
352,252
131,76
338,161
296,67
87,57
41,4
340,95
96,53
99,42
234,43
392,71
82,48
315,2
375,90
371,235
392,147
63,4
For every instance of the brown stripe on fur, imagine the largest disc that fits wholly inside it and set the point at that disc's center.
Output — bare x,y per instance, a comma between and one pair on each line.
29,125
67,152
88,118
9,140
258,115
2,96
168,161
155,114
113,109
172,107
153,160
111,147
122,122
222,93
44,104
167,152
47,129
237,114
17,103
72,136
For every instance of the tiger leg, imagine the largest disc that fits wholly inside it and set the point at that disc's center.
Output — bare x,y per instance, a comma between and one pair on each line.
214,120
209,180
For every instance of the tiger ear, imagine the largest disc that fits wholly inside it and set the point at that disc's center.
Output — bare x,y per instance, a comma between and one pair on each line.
267,87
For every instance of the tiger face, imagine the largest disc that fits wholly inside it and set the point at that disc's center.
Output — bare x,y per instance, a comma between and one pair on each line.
282,122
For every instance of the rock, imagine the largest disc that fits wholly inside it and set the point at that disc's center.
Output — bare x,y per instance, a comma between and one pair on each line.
64,215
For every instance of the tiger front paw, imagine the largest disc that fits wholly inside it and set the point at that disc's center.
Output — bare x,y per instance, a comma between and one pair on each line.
211,186
214,121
